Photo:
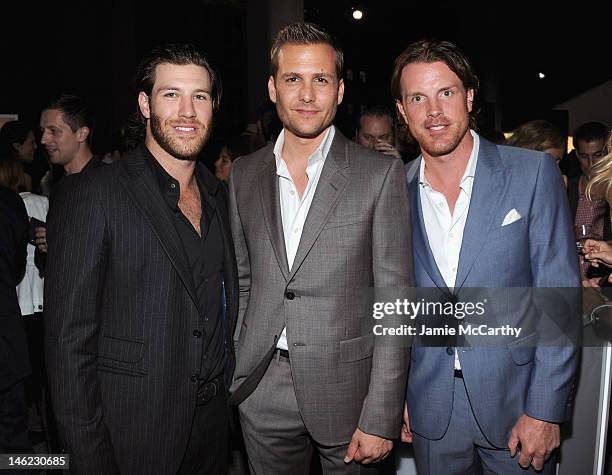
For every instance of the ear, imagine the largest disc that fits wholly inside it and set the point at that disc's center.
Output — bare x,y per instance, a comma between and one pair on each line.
16,146
82,133
272,89
340,91
401,110
143,103
470,99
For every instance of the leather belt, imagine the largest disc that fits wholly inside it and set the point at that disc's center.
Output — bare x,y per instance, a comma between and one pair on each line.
282,353
209,390
458,373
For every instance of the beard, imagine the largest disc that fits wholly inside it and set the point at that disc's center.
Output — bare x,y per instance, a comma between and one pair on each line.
442,145
180,148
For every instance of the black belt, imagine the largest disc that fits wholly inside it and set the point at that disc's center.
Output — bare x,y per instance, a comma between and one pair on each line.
458,373
283,353
209,390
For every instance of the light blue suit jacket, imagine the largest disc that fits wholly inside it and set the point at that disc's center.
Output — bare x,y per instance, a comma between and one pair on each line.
537,251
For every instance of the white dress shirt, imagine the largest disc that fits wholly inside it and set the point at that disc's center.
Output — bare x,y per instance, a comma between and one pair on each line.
445,231
293,209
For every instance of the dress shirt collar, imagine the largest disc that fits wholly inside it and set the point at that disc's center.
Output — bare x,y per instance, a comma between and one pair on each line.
320,154
470,169
168,185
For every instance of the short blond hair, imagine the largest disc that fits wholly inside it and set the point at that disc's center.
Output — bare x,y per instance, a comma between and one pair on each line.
301,33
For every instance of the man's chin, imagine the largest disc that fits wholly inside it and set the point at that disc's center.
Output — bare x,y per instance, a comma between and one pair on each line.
308,133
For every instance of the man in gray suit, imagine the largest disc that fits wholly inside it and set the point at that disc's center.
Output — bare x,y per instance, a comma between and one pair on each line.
318,223
483,217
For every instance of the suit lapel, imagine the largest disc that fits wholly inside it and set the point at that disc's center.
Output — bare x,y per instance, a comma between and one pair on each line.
142,188
486,194
270,204
422,250
332,183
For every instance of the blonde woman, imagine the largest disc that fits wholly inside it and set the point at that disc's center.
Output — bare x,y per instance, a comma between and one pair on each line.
595,251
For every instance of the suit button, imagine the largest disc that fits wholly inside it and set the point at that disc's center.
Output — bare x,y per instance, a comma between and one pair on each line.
194,378
290,295
450,351
197,333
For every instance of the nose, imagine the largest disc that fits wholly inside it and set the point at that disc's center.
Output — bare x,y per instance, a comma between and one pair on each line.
45,138
186,108
307,92
433,108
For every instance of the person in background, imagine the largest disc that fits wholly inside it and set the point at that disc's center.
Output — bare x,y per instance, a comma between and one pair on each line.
376,131
591,214
14,363
539,135
542,136
66,123
599,252
30,294
233,148
18,141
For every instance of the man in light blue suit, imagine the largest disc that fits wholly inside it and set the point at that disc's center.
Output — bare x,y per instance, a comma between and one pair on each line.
492,217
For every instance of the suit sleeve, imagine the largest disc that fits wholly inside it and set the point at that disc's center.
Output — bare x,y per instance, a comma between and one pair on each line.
76,270
554,265
242,257
393,277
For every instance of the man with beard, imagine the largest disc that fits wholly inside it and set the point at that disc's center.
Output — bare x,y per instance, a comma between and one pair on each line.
318,222
141,291
483,216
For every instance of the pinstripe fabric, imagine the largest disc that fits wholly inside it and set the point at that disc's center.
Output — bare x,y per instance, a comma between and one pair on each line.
120,312
356,237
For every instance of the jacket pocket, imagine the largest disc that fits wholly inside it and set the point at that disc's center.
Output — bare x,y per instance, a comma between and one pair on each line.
523,350
356,349
121,355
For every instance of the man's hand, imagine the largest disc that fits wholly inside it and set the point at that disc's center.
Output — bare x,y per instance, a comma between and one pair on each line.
538,439
41,239
366,448
406,435
387,149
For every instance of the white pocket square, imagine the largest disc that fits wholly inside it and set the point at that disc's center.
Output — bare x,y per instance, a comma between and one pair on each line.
512,216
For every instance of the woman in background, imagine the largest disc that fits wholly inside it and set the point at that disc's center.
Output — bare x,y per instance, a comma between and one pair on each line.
18,141
234,147
542,136
30,293
595,251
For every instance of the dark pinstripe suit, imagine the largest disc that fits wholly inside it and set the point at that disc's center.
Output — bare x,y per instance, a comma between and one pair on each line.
120,314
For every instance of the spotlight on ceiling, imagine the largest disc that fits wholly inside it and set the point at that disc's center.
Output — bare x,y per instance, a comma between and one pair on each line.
357,14
541,75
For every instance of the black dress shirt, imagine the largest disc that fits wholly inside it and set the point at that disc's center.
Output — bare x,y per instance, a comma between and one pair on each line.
204,253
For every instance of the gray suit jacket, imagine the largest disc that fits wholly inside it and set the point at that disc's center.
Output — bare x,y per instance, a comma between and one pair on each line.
356,238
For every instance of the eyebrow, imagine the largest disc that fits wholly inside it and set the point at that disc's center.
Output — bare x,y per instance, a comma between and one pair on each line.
316,75
175,88
418,93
